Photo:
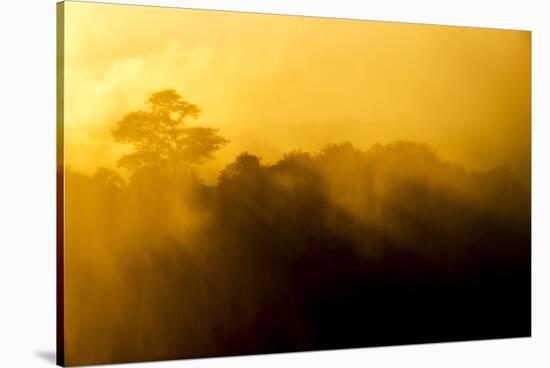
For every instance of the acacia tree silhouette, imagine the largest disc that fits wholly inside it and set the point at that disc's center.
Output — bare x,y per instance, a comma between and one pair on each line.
162,137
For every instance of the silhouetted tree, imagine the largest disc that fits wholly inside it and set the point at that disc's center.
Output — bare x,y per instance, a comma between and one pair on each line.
108,178
161,136
244,163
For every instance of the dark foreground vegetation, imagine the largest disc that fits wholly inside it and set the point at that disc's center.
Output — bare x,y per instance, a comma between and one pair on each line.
342,248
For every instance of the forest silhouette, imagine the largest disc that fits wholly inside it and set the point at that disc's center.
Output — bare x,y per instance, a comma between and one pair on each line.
320,250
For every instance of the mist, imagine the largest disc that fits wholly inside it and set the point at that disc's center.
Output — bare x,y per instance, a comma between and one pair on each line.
465,91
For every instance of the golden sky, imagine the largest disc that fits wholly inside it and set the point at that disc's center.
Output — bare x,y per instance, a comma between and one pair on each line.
275,83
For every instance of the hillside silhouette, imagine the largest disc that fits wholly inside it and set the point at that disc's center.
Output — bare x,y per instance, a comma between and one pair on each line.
320,250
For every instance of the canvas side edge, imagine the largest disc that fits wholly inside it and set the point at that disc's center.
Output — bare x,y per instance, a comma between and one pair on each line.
60,191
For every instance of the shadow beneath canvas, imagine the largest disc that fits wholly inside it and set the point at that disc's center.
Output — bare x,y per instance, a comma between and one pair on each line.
48,356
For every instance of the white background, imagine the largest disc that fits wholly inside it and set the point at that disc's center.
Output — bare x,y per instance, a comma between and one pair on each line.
27,182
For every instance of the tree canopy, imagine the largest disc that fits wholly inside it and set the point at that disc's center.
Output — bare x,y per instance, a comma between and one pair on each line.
161,135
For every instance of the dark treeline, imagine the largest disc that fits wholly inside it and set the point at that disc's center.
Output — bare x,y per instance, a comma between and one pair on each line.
341,248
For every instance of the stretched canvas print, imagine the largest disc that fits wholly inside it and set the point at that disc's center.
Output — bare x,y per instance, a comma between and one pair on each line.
236,183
